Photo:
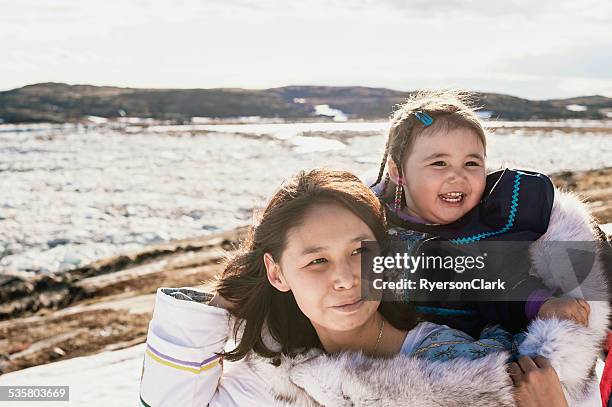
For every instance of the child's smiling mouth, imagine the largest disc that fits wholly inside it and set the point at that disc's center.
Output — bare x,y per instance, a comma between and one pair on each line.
452,197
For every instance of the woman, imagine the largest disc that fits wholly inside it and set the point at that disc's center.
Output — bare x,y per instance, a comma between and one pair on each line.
295,292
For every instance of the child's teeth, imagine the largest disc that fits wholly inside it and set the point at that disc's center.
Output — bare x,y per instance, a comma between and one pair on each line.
452,196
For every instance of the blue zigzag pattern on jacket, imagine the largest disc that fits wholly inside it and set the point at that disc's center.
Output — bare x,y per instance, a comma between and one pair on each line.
480,236
445,311
509,223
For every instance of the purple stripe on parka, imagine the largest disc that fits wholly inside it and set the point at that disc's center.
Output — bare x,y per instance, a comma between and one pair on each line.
184,362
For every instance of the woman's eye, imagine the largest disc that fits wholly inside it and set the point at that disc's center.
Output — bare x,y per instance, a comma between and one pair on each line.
360,250
317,261
439,164
472,164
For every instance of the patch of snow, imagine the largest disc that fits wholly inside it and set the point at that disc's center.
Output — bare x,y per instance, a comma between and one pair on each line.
326,110
576,108
201,120
96,119
104,379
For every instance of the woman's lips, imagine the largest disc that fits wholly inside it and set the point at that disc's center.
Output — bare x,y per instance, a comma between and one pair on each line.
349,306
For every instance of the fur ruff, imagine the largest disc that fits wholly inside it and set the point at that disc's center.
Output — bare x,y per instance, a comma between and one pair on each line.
347,380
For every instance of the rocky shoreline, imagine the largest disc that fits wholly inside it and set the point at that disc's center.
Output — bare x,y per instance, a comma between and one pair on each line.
107,304
104,306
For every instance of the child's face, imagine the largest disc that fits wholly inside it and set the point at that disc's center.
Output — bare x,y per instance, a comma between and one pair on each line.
444,175
321,265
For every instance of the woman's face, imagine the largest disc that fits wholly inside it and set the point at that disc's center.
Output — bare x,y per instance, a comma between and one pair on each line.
321,265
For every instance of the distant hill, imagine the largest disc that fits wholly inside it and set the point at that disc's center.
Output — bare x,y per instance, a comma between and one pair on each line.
58,102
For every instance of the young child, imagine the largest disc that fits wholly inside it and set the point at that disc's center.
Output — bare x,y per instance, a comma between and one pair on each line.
437,185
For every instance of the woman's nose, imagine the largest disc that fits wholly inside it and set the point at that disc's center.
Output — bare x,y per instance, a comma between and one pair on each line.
345,276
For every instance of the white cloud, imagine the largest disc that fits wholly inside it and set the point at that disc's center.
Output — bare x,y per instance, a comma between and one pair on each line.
267,43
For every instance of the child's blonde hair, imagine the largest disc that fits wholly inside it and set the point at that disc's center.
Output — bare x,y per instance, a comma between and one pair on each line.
449,109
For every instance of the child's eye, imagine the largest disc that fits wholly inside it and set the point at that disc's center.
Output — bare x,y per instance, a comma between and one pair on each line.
439,164
472,164
317,261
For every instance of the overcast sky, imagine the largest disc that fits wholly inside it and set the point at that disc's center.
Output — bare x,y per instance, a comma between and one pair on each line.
534,49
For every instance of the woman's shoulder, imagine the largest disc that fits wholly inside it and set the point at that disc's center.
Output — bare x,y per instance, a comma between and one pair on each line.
182,316
188,301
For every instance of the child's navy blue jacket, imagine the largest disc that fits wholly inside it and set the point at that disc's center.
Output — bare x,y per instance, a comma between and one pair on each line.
516,206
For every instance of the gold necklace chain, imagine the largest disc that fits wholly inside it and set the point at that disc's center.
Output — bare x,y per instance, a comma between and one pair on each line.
380,332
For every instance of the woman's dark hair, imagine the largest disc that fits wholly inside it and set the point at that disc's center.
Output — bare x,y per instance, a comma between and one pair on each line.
244,282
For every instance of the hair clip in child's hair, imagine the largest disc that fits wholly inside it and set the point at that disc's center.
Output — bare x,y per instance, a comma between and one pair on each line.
423,118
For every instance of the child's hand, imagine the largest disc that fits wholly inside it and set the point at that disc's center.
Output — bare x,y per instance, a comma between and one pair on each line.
575,309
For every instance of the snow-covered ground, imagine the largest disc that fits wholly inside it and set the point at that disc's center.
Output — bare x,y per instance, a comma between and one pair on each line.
105,379
71,194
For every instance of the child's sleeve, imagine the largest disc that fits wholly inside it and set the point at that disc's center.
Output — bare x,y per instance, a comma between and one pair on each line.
531,203
534,197
181,367
526,294
516,315
446,344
